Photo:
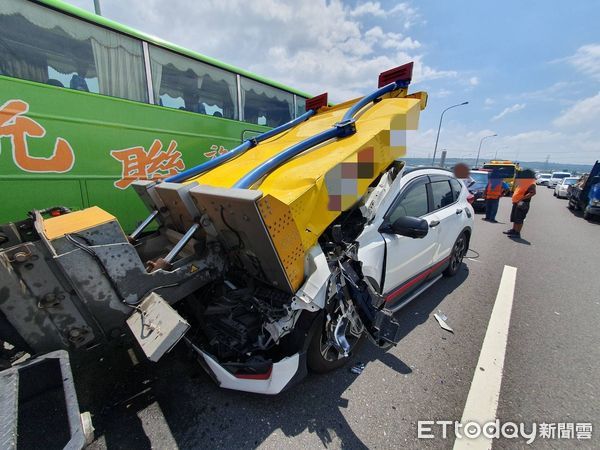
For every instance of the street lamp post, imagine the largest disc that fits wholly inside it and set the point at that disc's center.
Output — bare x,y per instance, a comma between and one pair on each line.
440,127
479,151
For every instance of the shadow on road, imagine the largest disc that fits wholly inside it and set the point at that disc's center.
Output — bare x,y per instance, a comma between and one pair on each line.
579,213
520,241
175,404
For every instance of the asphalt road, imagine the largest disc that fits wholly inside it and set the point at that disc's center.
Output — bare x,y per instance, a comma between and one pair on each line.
551,368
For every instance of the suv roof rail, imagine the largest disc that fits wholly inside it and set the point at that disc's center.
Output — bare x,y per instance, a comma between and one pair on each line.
409,169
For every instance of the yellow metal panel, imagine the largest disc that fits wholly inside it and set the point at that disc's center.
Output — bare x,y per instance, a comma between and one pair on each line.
74,222
306,194
284,235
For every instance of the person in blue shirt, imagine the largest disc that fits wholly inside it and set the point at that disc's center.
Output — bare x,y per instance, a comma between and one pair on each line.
78,80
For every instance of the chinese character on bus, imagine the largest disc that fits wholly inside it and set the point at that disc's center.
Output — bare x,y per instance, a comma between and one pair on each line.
215,150
139,164
15,125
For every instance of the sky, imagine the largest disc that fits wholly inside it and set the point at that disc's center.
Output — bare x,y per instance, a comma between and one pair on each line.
530,69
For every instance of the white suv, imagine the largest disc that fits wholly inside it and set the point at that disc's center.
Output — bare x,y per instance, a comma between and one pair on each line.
543,178
421,230
556,178
417,228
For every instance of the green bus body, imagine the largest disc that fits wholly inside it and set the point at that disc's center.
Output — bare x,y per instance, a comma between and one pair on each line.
94,125
98,132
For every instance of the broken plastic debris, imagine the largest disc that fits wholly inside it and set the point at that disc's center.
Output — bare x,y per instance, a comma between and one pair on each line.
441,318
357,368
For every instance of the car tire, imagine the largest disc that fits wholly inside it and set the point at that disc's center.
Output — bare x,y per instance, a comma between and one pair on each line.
587,215
570,206
459,249
318,363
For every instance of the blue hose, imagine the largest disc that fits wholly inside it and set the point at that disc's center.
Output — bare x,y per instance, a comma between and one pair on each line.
240,149
341,129
271,164
369,98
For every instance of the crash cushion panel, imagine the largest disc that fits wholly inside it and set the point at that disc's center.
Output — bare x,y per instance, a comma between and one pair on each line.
74,222
285,237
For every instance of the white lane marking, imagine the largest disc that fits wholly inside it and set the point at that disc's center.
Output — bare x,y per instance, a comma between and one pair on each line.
482,401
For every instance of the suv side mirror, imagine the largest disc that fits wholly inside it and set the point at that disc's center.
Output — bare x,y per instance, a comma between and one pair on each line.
412,227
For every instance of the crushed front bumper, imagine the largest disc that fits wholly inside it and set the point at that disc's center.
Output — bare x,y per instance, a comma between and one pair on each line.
279,377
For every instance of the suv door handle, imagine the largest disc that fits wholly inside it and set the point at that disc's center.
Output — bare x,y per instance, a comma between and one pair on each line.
459,211
434,223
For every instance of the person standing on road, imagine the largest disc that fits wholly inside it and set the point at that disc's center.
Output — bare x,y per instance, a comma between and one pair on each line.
493,192
525,190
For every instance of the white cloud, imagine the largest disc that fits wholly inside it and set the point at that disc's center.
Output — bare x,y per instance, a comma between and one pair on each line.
443,93
587,60
368,8
509,110
562,146
376,35
313,45
556,92
532,145
456,137
584,113
408,13
473,81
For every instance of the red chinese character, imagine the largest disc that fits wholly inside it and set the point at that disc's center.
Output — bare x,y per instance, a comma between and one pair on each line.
17,126
139,164
216,150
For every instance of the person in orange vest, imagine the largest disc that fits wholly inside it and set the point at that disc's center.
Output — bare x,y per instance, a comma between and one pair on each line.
493,192
524,191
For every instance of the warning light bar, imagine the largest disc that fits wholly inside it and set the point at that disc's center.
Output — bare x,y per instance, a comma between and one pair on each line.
316,102
401,73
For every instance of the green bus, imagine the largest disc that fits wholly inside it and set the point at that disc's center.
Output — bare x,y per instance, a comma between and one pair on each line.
87,106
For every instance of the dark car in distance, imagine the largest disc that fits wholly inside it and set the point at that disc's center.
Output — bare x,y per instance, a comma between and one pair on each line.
476,186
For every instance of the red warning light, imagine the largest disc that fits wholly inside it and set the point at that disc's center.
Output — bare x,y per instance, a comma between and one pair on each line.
316,102
401,73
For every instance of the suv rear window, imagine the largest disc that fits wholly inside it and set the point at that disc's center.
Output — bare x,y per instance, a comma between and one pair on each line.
442,194
456,187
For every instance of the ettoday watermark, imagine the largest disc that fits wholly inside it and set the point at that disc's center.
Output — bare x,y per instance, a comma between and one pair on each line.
431,429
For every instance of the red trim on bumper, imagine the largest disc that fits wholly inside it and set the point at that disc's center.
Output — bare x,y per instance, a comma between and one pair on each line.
255,376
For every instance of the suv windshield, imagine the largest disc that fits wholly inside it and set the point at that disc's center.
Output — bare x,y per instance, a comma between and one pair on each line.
570,181
560,176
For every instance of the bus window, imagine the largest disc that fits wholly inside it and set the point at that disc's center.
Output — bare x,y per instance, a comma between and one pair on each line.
43,45
266,105
183,83
300,105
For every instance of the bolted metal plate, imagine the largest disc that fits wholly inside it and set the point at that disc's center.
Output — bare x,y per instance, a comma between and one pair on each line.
182,211
286,239
37,304
234,212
